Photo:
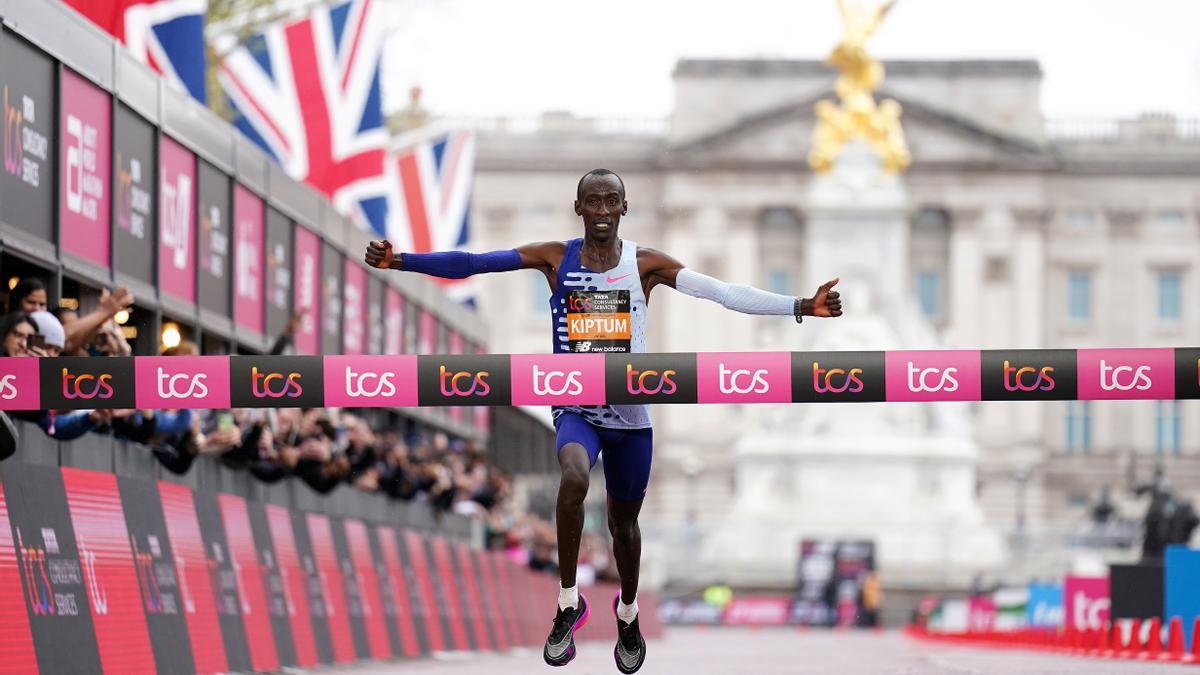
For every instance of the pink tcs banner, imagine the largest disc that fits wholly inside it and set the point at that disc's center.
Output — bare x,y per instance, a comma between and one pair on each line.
176,216
84,181
106,562
757,611
370,381
545,379
933,375
20,384
393,320
182,382
1107,374
746,377
247,259
307,279
1086,602
981,614
247,571
354,309
427,333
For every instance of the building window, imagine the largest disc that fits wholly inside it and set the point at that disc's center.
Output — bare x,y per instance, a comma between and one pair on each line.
1169,285
539,294
1081,219
929,293
1166,427
1079,426
1079,295
1170,218
779,281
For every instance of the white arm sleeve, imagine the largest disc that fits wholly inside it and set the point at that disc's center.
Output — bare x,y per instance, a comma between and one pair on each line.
738,297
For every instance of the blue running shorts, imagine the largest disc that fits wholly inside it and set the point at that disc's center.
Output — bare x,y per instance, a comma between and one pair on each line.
627,453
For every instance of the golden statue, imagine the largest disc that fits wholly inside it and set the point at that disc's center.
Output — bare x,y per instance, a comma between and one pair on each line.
858,116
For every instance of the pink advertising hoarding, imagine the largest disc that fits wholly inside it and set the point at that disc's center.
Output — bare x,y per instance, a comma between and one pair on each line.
393,319
354,309
84,192
307,279
176,221
427,333
1086,602
247,259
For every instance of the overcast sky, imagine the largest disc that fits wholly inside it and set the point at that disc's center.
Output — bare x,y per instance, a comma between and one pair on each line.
614,58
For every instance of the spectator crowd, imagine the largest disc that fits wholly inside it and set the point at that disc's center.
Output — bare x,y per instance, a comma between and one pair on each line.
324,447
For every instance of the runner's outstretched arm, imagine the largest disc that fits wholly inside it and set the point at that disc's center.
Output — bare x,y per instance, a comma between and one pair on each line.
461,264
664,270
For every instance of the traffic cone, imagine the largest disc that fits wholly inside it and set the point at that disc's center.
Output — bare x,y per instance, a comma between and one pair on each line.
1130,649
1154,642
1194,655
1174,641
1115,644
1102,647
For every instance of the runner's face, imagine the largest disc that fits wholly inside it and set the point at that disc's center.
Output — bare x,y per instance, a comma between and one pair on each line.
601,207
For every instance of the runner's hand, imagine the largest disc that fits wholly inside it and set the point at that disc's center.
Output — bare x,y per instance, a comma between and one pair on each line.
826,302
379,254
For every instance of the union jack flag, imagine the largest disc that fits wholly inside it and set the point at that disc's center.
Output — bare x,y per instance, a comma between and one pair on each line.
307,92
167,35
430,170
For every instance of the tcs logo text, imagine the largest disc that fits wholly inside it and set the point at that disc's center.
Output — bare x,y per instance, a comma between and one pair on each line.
463,382
369,384
86,386
1124,378
544,382
826,380
1018,379
181,385
275,385
636,381
728,381
917,379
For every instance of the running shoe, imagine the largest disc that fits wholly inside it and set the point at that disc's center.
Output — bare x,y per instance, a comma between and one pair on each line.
630,652
560,646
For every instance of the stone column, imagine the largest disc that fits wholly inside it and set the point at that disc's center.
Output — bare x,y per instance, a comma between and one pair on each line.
966,261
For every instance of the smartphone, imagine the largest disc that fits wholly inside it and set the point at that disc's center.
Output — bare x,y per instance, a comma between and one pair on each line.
36,340
225,421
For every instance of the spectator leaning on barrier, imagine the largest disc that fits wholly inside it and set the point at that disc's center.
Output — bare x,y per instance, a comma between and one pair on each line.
20,330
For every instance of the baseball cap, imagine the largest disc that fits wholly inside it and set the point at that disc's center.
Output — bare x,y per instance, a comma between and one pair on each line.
50,327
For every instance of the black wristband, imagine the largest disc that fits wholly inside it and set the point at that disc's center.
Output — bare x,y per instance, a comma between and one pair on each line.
796,311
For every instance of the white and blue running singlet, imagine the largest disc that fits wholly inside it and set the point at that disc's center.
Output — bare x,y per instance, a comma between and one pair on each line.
601,312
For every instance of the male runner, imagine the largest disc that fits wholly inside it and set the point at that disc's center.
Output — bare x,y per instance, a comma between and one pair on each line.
599,274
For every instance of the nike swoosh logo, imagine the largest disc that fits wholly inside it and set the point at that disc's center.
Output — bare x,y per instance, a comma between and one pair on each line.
613,281
628,659
556,650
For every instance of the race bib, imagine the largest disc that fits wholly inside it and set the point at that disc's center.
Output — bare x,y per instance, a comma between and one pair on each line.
598,321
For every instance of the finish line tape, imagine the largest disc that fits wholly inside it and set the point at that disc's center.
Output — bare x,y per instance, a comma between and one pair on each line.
594,379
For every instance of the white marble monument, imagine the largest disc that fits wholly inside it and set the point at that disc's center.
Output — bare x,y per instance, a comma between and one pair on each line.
899,474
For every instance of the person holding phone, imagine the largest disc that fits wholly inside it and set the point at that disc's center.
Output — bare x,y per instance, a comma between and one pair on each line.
51,338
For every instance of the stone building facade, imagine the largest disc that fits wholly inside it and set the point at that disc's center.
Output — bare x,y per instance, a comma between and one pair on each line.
1026,233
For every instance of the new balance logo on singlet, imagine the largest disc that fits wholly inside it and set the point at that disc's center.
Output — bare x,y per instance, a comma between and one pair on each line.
599,319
